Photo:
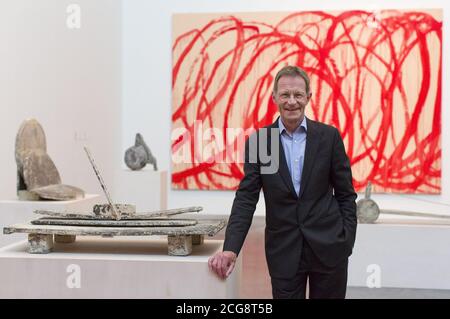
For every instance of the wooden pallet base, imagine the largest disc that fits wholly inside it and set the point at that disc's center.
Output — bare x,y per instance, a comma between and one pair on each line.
177,245
41,238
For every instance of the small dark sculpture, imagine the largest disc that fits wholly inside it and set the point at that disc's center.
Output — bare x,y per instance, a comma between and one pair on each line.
139,155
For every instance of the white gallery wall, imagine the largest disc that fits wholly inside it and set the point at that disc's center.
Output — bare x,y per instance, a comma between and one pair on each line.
68,79
101,84
146,99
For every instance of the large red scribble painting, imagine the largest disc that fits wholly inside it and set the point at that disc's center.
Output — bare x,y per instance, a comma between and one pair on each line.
376,76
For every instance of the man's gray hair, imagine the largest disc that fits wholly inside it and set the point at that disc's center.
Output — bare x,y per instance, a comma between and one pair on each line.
291,70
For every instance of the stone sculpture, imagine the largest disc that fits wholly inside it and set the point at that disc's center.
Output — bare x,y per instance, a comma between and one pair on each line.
368,210
110,220
139,155
37,176
63,227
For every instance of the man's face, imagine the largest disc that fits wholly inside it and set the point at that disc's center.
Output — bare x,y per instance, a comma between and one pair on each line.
291,98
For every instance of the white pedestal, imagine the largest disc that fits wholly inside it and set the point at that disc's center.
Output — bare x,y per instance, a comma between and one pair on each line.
404,253
127,267
17,211
146,188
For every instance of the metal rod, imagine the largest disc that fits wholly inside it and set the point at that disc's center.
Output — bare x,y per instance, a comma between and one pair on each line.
115,213
415,214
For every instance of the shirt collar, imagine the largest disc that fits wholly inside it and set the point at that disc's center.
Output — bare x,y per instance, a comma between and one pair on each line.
283,128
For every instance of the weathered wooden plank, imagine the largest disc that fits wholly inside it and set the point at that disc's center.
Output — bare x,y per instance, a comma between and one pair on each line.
105,210
171,212
138,215
203,227
115,223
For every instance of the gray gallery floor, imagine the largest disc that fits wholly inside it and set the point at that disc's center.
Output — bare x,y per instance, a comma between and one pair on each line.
256,282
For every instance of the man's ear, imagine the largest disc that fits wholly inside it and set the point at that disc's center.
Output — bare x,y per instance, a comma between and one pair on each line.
273,97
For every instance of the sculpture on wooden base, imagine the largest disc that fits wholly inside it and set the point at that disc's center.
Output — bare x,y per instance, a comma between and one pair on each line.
110,220
37,176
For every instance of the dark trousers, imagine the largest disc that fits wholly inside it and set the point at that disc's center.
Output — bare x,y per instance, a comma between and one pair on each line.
324,282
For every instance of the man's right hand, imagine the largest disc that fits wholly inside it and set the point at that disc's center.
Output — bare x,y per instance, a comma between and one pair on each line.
222,263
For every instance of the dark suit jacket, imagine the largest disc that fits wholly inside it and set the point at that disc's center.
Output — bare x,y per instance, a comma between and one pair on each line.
324,213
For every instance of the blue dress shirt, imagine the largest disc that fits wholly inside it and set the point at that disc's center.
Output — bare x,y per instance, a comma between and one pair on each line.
294,151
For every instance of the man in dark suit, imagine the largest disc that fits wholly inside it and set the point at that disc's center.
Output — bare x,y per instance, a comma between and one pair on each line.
309,197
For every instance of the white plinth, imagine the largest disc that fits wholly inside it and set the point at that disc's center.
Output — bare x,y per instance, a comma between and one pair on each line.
146,188
127,267
17,211
410,253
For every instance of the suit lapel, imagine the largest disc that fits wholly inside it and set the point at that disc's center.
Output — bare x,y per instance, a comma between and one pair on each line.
283,168
312,145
